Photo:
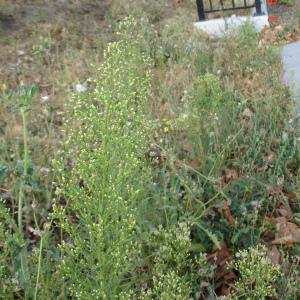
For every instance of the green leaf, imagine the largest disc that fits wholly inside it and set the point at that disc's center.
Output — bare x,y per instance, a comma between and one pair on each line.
3,171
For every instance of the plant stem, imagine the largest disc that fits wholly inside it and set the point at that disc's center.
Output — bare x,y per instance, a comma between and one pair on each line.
21,195
25,169
39,268
25,137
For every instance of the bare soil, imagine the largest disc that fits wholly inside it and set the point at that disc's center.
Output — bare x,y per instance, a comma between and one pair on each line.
21,12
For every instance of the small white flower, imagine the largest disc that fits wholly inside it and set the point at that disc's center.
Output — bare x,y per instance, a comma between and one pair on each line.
79,88
45,98
20,52
249,69
185,116
254,203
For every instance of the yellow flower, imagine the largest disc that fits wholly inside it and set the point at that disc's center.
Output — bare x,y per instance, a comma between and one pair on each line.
167,122
3,87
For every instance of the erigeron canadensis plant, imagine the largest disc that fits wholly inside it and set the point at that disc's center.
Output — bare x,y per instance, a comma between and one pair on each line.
176,272
102,172
173,247
168,286
258,275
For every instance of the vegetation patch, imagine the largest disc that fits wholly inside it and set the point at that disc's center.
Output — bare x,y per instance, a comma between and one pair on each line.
148,163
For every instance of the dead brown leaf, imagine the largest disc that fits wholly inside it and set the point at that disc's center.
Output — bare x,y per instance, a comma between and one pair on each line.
229,175
265,29
275,142
274,255
227,213
284,212
291,37
165,107
291,196
188,148
242,148
278,28
225,290
220,258
247,113
287,233
275,193
270,156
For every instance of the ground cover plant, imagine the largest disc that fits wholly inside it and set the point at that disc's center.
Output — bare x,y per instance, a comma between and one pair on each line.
140,159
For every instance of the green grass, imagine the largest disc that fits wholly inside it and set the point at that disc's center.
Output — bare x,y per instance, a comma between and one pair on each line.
178,155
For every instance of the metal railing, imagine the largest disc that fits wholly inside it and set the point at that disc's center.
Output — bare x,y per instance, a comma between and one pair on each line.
203,9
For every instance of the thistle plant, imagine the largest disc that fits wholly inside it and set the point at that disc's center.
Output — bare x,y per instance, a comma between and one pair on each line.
102,172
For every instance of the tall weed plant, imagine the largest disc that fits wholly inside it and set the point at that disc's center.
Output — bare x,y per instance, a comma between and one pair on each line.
103,173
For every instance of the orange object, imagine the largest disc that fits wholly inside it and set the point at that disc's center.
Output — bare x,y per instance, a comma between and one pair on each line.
272,2
273,19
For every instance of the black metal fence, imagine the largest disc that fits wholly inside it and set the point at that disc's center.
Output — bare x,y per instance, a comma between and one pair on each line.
207,6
